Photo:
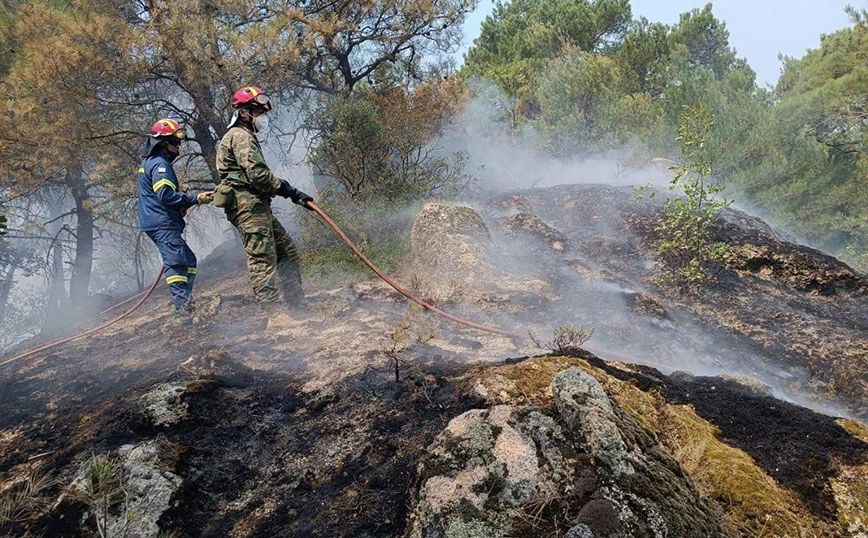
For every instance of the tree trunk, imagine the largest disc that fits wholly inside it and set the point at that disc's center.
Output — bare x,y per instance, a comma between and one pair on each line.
7,279
56,288
82,265
208,145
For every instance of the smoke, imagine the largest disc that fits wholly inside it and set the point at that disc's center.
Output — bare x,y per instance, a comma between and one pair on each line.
505,159
617,301
502,156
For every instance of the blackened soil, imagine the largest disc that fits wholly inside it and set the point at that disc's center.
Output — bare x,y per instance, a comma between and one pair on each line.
799,448
263,459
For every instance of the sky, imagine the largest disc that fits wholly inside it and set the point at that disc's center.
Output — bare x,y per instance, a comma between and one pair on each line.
759,29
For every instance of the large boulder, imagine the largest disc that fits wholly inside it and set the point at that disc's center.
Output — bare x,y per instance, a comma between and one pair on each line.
491,472
518,471
652,494
450,260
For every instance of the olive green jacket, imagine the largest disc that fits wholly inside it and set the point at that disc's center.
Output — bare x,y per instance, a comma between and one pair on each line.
246,183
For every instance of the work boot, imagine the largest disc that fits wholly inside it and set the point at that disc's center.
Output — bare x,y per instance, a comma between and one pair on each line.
186,312
278,319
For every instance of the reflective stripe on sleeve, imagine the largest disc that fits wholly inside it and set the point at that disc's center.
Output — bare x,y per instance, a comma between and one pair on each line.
191,271
174,279
164,183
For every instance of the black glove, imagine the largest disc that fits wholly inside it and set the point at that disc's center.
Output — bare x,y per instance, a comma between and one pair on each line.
288,191
302,199
285,189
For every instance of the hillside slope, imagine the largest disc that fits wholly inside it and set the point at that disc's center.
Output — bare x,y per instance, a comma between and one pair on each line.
369,418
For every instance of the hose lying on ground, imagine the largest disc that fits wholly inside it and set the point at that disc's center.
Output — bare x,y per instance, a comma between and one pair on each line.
400,289
397,287
96,329
143,296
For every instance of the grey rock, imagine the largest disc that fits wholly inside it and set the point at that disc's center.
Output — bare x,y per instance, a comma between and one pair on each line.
488,469
580,531
164,404
150,490
143,489
640,482
587,411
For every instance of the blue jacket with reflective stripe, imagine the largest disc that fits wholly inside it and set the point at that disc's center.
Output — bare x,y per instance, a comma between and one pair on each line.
161,206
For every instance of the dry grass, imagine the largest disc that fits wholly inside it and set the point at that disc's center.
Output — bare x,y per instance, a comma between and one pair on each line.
753,504
850,488
25,499
856,429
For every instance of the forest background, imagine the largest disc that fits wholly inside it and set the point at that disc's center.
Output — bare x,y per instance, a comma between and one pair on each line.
371,104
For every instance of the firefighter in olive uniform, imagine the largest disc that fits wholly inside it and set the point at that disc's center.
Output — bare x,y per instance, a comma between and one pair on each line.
245,191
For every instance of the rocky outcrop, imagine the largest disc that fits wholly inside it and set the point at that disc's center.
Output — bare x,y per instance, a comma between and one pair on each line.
491,470
519,471
450,260
528,224
718,431
164,404
329,428
651,493
772,299
127,493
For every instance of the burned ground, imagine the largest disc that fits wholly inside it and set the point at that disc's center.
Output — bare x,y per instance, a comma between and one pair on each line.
304,431
260,458
801,449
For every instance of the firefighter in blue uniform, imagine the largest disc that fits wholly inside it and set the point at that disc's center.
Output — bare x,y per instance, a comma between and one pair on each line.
161,210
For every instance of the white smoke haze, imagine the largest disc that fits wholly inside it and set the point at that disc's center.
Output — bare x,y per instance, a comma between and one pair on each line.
502,159
505,160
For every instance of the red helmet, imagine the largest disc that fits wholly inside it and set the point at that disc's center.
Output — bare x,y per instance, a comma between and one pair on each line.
167,127
250,95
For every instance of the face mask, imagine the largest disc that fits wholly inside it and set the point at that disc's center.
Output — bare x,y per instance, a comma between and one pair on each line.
173,151
260,123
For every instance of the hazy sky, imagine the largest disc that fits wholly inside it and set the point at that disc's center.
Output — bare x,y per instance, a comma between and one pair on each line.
759,29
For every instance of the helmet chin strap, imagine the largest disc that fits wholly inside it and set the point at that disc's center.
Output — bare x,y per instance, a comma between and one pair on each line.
237,120
234,120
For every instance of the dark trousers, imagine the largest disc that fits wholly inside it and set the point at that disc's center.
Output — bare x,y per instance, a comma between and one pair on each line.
179,263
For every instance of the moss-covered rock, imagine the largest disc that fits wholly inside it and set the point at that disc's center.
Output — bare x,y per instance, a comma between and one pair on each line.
750,501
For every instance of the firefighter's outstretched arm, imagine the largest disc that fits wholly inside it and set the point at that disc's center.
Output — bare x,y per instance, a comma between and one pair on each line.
165,186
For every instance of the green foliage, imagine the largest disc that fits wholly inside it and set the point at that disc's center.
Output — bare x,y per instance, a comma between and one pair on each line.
805,160
379,228
687,244
590,79
379,146
706,39
519,37
585,105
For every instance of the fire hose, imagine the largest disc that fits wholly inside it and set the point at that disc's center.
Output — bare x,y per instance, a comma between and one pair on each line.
397,287
340,233
96,329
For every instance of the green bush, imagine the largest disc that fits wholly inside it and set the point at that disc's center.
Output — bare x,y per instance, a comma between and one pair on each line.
687,244
381,229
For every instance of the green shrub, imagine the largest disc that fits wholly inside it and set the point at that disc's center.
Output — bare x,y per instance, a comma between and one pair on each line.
687,244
